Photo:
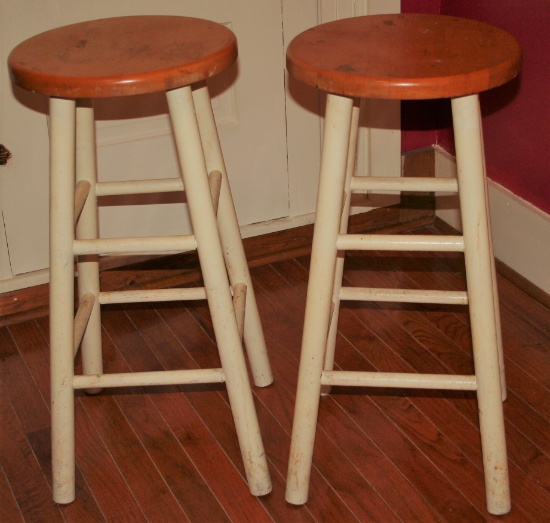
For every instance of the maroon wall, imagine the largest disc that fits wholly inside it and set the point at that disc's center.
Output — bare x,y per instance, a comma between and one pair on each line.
421,121
516,117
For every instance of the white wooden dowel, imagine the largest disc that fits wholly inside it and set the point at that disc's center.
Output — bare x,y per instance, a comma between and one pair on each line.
232,245
191,154
404,295
145,379
334,157
87,227
139,186
479,277
146,245
62,174
398,379
363,184
402,242
153,295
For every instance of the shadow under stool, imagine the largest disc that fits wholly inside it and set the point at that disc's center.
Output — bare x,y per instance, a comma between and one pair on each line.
118,57
401,57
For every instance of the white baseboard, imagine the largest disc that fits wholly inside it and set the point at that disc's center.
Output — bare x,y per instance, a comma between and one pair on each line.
521,232
22,281
281,224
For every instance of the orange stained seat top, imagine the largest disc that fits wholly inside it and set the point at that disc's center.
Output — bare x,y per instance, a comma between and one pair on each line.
122,56
404,56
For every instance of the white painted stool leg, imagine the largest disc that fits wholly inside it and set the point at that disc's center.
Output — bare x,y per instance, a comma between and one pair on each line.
339,271
87,228
203,219
319,294
62,177
479,272
232,245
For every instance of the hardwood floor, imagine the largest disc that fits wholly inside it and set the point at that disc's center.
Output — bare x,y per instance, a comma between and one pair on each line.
170,454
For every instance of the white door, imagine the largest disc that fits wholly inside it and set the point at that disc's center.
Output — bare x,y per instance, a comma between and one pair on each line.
249,105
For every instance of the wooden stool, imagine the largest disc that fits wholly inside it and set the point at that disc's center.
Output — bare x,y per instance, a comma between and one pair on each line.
401,57
120,57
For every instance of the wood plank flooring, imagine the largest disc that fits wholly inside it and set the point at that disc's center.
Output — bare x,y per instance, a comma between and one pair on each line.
170,454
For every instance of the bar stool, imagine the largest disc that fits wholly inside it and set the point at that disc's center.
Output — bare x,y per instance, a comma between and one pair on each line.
401,57
125,56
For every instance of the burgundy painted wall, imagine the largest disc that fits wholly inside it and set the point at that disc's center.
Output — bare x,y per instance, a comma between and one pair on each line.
421,121
516,117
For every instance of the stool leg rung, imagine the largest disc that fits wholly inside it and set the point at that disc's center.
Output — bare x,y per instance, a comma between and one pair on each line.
147,379
404,295
365,184
119,188
215,182
153,295
402,242
82,190
82,317
145,245
398,380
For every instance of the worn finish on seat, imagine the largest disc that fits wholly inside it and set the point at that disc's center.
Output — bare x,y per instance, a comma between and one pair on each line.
122,56
404,57
119,57
401,57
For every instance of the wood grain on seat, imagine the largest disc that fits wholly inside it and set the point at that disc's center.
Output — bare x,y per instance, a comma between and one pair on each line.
122,56
404,56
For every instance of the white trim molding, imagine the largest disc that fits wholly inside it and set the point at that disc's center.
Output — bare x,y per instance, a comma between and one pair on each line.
521,231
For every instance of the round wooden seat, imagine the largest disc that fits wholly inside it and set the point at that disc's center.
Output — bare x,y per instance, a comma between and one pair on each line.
122,56
405,57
